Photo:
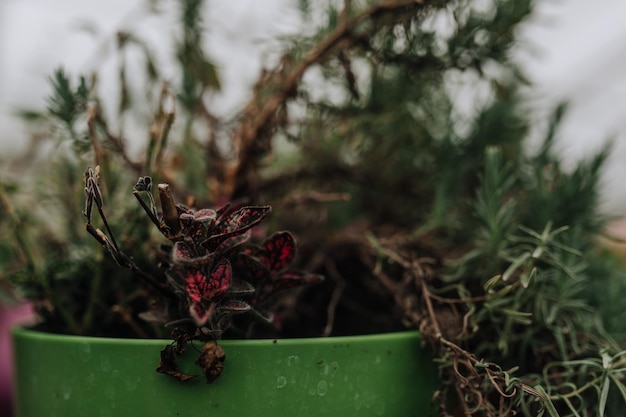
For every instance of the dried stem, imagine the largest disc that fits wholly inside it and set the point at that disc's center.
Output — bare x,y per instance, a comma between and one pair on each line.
336,296
259,112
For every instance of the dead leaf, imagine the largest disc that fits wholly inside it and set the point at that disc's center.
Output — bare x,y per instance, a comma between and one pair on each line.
168,365
211,361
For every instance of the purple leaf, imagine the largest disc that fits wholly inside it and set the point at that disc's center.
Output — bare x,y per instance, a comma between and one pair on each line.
185,253
232,242
196,285
240,288
176,278
158,316
233,307
205,214
251,269
291,279
199,287
198,225
223,210
201,311
242,219
278,251
220,280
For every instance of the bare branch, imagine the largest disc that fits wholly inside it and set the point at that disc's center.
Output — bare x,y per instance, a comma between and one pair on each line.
259,112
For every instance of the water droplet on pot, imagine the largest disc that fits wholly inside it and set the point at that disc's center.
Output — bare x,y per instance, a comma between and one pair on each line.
105,364
84,351
131,384
322,388
66,391
293,360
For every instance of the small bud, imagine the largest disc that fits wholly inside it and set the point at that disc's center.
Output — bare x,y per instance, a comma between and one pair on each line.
143,184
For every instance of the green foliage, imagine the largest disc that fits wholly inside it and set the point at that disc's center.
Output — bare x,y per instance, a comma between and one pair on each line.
198,73
515,232
67,103
423,210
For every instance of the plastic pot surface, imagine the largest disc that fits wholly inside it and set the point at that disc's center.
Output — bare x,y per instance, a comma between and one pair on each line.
375,375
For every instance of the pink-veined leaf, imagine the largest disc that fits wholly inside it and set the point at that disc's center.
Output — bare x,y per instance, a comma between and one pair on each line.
176,278
219,281
240,288
235,223
205,214
199,225
242,219
159,316
223,210
267,317
201,312
233,307
232,242
291,279
279,250
185,253
196,284
252,250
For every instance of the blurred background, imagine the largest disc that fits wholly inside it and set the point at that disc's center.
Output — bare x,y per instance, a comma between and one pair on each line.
571,51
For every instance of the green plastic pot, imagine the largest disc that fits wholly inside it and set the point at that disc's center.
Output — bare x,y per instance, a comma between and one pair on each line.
375,375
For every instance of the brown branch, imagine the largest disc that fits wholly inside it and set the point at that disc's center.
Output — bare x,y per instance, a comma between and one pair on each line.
465,300
336,296
313,197
95,119
259,113
481,387
431,312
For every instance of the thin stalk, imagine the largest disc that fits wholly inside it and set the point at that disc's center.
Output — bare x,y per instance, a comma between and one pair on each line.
165,132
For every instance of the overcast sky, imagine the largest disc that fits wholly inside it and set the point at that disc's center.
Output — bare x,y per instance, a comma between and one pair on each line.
579,55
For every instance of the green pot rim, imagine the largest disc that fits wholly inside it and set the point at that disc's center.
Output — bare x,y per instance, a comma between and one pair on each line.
33,333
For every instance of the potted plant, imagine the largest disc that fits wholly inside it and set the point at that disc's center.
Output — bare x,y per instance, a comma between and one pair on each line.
420,215
210,279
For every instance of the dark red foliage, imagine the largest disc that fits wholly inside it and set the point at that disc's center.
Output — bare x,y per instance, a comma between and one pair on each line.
213,273
278,251
267,267
205,292
235,223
